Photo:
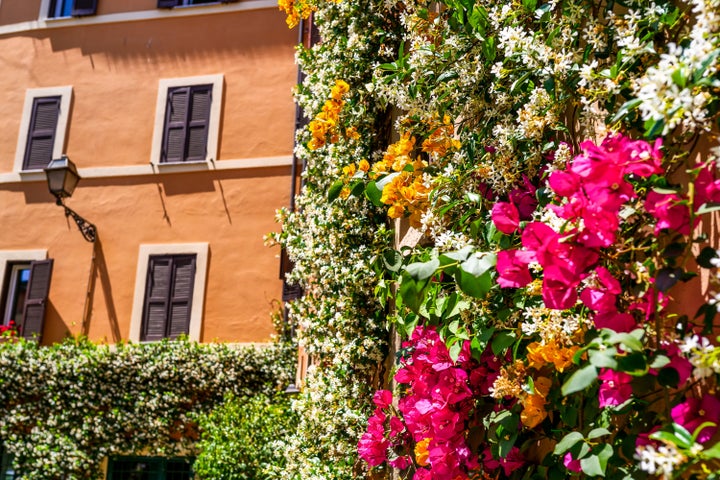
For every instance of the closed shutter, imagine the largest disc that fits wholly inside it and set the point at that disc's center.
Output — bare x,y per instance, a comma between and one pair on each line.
187,118
168,296
41,134
84,7
157,292
167,3
176,116
36,299
201,99
181,300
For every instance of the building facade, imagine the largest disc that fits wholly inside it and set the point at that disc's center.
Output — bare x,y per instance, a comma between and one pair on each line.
179,117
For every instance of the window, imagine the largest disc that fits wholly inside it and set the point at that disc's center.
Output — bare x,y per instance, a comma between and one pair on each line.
149,468
7,472
168,296
181,3
42,128
74,8
187,120
26,284
186,124
169,292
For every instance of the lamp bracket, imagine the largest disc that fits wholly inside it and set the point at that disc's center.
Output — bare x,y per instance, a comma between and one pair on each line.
87,229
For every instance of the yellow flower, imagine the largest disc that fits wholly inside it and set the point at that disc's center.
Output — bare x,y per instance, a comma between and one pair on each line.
349,170
341,88
422,455
352,133
533,410
363,165
396,211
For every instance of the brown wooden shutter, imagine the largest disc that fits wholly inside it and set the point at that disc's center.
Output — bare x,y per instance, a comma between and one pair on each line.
201,99
176,117
168,296
181,300
157,292
36,299
166,3
84,7
41,134
187,118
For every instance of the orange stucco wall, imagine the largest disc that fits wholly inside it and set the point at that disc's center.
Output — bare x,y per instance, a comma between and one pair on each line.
114,70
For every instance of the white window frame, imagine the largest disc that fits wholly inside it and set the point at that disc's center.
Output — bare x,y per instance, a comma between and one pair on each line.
10,257
65,94
165,85
200,250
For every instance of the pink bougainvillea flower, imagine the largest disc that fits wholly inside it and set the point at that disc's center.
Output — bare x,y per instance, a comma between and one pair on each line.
614,320
513,461
523,197
373,445
557,293
694,412
512,269
382,398
452,386
506,217
707,187
401,463
614,389
571,464
669,212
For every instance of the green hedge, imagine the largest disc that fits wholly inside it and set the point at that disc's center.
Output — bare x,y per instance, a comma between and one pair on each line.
65,407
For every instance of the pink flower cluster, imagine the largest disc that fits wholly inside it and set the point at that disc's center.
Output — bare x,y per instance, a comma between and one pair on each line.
435,408
593,189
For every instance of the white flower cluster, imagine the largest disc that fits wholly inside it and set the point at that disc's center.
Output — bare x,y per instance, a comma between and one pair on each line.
65,408
662,460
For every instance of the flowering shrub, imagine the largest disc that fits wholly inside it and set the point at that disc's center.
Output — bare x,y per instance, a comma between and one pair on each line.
239,439
568,274
66,407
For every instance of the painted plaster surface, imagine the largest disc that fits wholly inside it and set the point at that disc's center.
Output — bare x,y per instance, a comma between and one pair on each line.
114,71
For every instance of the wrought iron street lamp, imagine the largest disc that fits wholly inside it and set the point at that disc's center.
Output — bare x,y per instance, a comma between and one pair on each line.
62,178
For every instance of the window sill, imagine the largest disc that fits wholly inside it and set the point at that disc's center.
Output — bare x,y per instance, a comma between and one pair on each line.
183,166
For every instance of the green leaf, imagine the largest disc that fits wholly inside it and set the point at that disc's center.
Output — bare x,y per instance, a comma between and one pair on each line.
634,364
706,254
708,208
502,341
567,442
683,434
605,452
458,255
335,189
659,361
591,466
420,271
598,432
697,430
392,260
373,193
653,128
668,377
626,108
410,293
603,358
478,266
580,380
670,438
477,287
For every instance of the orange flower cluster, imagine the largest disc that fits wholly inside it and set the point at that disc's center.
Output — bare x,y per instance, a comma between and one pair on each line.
406,193
534,403
540,355
324,126
294,11
441,139
349,172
